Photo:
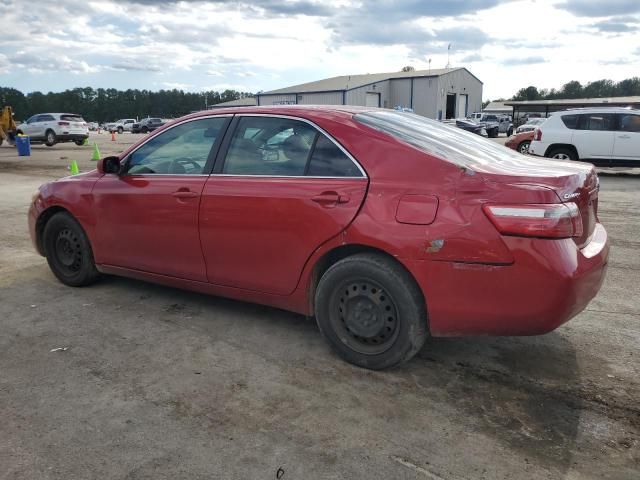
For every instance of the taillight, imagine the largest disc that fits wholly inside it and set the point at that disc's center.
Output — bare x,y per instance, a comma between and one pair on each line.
537,135
63,124
542,220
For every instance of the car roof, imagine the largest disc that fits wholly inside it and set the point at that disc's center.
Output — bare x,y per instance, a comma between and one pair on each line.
600,110
292,110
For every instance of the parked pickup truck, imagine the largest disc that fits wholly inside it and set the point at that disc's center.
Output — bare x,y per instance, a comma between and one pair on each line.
503,122
123,125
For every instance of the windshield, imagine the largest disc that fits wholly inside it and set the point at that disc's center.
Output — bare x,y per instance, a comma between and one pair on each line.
450,143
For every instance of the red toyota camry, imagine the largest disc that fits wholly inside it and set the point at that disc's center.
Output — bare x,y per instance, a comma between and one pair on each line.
386,226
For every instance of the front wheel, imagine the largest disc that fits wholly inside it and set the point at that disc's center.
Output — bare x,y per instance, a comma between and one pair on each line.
50,138
79,142
68,251
523,148
145,130
510,132
371,312
120,130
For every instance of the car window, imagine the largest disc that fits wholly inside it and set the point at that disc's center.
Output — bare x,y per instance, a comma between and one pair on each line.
570,121
72,118
32,119
328,160
630,123
597,121
269,146
181,150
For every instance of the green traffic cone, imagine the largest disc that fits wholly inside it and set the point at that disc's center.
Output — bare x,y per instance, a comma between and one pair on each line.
86,141
73,166
96,152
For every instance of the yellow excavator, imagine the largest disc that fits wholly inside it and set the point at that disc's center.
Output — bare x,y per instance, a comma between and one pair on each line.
7,126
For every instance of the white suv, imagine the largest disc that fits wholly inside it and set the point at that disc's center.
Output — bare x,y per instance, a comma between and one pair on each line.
52,128
606,136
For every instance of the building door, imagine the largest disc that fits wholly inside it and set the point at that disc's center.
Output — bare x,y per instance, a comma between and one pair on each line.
463,106
451,106
372,99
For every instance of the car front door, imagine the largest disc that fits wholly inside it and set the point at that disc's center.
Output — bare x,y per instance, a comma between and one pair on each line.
147,216
626,148
34,127
594,137
279,190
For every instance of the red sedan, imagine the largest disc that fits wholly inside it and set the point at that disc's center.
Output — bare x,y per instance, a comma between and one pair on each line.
386,226
520,141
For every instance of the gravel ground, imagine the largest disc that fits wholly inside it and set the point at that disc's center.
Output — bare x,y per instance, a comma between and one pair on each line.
159,383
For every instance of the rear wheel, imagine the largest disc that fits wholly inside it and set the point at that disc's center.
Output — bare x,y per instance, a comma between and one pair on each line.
371,312
79,142
120,130
523,147
68,251
562,154
50,138
510,132
145,130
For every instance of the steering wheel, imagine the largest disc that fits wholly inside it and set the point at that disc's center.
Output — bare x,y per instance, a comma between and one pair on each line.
177,165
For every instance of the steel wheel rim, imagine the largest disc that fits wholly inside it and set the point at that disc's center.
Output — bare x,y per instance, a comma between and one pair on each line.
68,251
364,316
524,148
561,156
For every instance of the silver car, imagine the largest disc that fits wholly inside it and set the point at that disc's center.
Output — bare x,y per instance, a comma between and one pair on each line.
52,128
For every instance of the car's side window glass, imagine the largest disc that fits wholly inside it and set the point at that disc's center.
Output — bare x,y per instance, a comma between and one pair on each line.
597,121
269,146
570,121
328,160
630,123
181,150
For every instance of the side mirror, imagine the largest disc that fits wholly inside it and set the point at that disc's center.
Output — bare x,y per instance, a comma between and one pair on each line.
109,165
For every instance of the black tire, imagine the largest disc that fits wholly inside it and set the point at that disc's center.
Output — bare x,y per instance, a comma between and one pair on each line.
79,142
371,312
562,154
50,138
120,130
145,130
68,251
523,147
510,132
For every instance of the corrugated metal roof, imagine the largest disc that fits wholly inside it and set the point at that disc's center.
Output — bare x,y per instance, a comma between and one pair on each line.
348,82
241,102
576,101
497,107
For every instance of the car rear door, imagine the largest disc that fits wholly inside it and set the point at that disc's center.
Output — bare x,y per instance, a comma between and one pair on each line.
626,148
147,217
281,188
594,137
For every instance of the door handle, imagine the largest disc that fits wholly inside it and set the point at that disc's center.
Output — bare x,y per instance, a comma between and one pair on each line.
624,136
330,198
184,194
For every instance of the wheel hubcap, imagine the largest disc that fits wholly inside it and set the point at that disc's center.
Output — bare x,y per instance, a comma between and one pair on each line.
68,250
365,317
561,156
50,138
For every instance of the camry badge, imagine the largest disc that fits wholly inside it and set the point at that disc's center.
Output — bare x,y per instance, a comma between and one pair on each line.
567,196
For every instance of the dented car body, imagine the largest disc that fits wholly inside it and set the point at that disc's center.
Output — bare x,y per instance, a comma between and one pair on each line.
496,243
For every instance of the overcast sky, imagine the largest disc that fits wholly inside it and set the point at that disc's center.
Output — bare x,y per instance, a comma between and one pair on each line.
266,44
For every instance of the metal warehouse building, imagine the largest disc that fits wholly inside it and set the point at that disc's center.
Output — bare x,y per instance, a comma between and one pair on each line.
444,93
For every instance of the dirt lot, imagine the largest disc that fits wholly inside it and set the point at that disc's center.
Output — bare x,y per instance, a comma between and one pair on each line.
159,383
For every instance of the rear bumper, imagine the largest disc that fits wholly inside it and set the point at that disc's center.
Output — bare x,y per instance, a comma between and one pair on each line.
71,137
549,282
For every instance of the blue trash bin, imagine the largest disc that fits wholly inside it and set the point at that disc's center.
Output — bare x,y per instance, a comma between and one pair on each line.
23,144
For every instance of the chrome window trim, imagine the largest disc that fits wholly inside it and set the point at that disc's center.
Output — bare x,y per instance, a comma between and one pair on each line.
151,137
320,129
182,175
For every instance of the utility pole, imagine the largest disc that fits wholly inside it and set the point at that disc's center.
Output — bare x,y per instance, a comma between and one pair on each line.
448,52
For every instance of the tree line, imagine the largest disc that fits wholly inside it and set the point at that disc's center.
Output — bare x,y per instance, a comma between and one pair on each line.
574,89
104,105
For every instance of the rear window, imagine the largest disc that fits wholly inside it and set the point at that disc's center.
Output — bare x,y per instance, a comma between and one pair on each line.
438,139
71,118
597,121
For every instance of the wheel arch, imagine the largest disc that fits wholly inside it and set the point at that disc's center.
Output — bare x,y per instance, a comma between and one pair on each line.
556,146
41,222
341,252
